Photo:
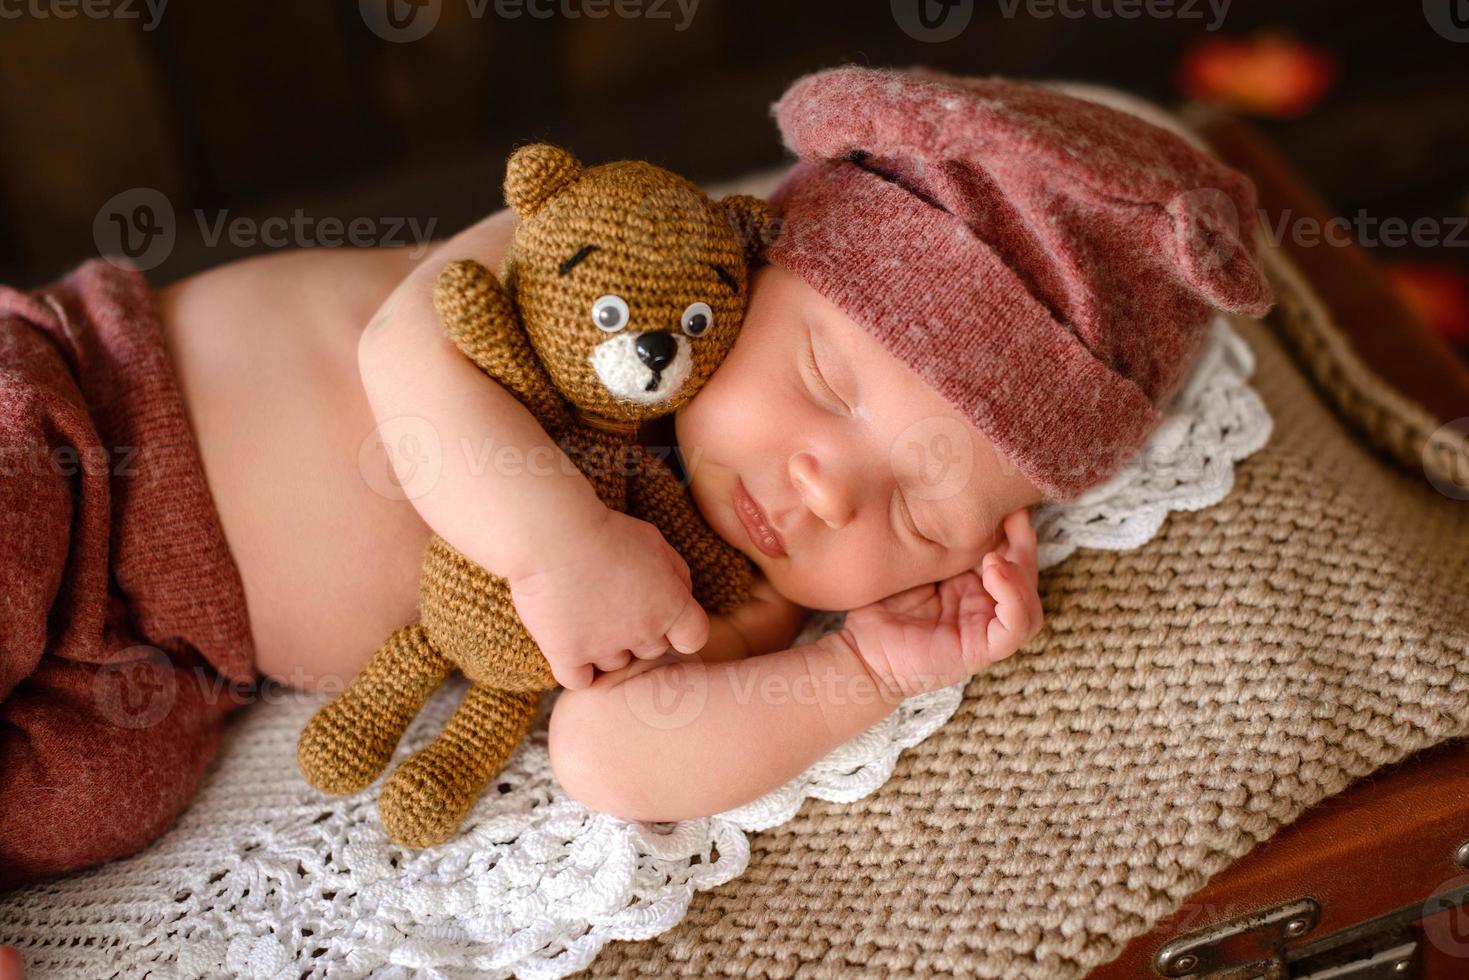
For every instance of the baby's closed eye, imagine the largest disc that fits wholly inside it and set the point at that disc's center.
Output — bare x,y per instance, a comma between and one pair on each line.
909,525
823,389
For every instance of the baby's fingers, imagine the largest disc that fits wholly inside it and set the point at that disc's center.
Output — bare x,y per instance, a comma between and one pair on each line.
690,632
1017,608
613,661
652,652
573,678
1020,546
681,568
12,967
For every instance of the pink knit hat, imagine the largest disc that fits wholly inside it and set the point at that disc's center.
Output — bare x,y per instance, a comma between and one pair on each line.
1047,264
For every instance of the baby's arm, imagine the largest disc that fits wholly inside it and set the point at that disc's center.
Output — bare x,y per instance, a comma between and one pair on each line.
689,739
587,581
423,390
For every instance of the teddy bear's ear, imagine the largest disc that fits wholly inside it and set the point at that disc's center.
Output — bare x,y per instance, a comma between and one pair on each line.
754,222
537,173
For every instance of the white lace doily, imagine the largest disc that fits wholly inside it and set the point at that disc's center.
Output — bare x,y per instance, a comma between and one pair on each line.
265,877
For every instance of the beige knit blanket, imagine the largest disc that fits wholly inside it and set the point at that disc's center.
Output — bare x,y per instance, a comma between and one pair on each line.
1185,700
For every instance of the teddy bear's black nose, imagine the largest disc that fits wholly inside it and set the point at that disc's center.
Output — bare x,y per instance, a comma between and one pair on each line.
656,349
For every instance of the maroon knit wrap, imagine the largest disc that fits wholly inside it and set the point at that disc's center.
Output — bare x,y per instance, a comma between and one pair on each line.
122,614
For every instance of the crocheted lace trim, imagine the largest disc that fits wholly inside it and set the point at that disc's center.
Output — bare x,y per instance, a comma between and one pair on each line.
265,877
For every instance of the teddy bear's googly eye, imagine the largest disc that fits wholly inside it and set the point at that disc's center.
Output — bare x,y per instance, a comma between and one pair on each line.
697,319
610,313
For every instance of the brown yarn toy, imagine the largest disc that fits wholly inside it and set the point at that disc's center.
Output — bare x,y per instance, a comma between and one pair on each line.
624,288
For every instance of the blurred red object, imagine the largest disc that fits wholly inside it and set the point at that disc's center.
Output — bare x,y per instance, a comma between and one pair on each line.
1265,74
1437,294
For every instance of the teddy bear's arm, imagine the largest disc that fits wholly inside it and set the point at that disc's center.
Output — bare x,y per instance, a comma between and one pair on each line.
722,577
479,318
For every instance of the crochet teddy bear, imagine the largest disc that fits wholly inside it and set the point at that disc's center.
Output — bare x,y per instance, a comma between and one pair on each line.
624,288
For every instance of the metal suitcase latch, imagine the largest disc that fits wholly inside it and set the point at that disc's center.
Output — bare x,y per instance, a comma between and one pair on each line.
1269,945
1251,947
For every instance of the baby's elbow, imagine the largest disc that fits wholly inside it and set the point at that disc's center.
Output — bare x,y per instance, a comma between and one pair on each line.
586,762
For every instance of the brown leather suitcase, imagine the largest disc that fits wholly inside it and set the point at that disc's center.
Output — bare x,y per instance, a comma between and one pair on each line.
1370,883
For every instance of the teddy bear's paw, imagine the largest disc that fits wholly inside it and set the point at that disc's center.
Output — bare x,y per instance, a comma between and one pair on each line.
464,277
341,753
426,798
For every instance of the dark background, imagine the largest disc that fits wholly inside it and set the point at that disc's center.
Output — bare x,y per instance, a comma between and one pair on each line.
270,106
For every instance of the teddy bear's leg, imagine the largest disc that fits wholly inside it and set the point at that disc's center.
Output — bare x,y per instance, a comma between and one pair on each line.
427,796
347,744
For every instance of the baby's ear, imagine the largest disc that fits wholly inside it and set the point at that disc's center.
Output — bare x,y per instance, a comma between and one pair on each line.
754,222
537,173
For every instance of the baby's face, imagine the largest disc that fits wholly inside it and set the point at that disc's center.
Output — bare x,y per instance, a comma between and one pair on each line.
864,481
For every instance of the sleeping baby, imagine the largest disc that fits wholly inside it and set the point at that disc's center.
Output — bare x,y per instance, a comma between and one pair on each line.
981,294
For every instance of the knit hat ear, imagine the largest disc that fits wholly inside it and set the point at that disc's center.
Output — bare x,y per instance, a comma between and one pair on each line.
754,222
537,173
1208,251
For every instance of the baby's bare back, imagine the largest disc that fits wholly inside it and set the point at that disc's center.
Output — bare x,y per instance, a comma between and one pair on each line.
266,354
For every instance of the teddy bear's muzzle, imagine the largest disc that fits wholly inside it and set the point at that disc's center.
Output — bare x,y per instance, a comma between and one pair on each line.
648,367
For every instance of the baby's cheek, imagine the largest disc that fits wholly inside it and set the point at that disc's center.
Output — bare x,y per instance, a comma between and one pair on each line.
843,579
923,569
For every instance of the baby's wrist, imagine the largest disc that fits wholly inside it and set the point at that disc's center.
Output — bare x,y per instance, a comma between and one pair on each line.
575,528
842,644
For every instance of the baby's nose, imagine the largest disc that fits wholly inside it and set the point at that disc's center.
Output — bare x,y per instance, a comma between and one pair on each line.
656,349
823,491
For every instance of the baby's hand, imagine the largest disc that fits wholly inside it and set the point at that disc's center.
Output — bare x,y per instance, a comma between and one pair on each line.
618,592
12,967
939,633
